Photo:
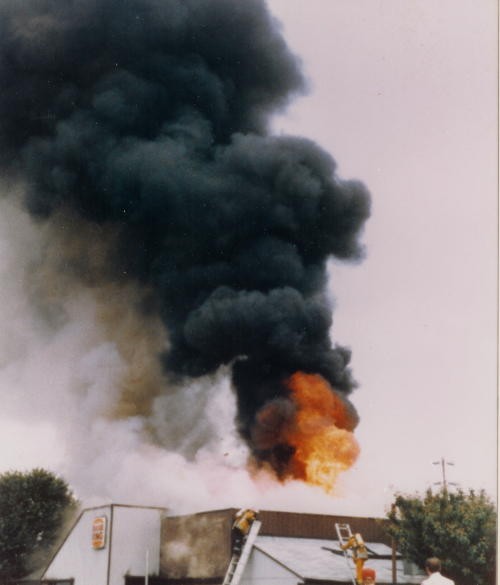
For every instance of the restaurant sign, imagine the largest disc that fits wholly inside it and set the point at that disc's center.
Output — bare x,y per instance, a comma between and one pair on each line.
99,533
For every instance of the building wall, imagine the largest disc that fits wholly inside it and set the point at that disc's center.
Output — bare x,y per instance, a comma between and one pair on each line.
320,526
262,570
76,558
130,532
197,546
135,535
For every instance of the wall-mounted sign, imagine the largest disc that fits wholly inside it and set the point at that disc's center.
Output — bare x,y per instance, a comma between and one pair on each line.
99,533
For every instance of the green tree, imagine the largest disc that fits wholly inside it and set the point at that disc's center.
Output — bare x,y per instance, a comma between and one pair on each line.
33,507
459,528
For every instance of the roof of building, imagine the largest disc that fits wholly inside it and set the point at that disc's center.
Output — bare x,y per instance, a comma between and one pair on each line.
323,560
305,525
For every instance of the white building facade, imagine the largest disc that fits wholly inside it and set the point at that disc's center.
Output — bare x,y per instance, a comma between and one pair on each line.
106,544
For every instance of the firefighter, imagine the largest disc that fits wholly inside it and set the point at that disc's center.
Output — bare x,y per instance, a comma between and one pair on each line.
359,554
243,521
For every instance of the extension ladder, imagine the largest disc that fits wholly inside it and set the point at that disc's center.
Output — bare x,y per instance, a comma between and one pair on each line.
239,560
344,534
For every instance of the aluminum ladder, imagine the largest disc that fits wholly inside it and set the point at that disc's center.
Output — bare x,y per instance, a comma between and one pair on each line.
344,533
238,561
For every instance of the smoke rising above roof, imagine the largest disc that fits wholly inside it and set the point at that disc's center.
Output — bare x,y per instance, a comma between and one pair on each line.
148,119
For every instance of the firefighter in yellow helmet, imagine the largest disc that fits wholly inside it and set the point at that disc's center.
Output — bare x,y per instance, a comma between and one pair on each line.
243,521
359,554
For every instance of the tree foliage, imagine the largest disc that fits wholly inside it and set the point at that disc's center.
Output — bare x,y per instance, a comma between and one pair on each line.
459,528
33,507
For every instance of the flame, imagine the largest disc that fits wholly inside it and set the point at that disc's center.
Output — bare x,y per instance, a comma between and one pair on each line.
319,432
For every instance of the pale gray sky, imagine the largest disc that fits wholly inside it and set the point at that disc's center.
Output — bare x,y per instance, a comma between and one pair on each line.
403,95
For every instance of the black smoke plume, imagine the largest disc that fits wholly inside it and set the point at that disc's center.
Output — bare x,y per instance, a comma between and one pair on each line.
150,118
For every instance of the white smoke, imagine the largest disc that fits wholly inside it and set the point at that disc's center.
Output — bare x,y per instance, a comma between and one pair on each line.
62,369
81,393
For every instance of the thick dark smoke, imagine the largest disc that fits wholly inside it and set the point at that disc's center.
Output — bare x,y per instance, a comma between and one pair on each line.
150,118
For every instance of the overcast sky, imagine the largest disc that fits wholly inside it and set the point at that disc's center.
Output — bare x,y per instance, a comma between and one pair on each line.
403,95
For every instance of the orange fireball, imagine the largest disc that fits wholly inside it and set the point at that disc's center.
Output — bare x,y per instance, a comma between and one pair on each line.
320,432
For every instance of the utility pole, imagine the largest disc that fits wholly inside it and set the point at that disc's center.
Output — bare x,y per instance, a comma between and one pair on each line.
443,464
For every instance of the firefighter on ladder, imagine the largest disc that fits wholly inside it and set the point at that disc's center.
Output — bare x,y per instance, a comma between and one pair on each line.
243,521
359,554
